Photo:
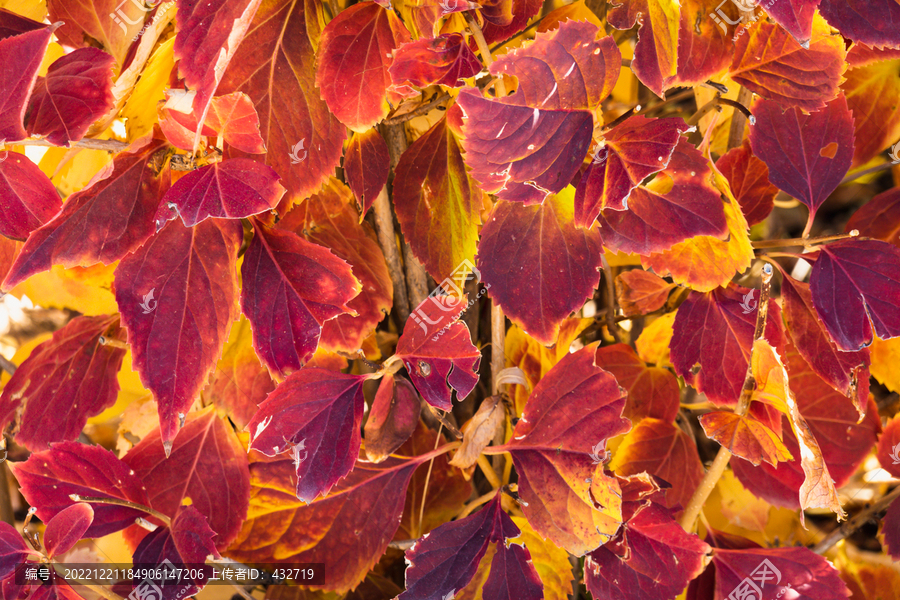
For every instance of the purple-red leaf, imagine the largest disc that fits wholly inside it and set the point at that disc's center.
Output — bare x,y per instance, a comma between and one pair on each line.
316,415
232,189
563,69
28,199
748,178
48,478
437,351
177,295
629,153
879,218
66,528
872,22
12,550
796,16
65,380
75,93
445,562
290,288
807,154
680,204
366,165
540,266
520,153
207,467
101,223
852,282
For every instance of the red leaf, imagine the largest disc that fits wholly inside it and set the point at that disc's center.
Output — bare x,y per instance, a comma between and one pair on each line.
640,292
354,56
440,353
233,116
101,223
715,330
656,52
75,93
48,478
796,16
111,24
66,528
12,550
775,571
847,372
437,204
330,219
658,218
832,419
316,414
522,12
209,466
366,165
890,530
232,189
21,56
177,296
443,60
556,448
795,147
520,153
65,380
349,529
652,391
630,152
207,39
445,562
274,66
290,288
748,178
539,265
879,218
393,417
872,22
652,558
853,281
563,69
662,449
28,199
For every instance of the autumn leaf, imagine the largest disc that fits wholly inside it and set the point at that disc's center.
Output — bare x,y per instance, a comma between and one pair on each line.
539,265
479,431
656,54
354,56
796,17
177,313
366,165
557,462
12,550
876,218
865,22
21,54
748,178
746,437
443,60
27,197
393,417
105,23
873,95
66,528
652,391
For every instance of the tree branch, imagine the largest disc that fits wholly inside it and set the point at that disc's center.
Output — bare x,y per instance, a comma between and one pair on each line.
849,527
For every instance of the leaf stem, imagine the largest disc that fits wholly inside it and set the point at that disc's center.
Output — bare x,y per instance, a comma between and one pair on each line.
387,239
488,471
803,241
119,502
485,50
418,111
720,463
471,506
7,365
848,527
611,324
869,171
739,118
437,440
701,112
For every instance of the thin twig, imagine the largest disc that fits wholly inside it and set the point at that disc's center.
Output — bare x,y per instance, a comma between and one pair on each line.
6,509
803,242
445,422
670,100
89,144
437,440
485,50
711,478
119,502
387,239
488,472
701,112
848,527
611,301
7,365
869,171
471,506
739,118
419,111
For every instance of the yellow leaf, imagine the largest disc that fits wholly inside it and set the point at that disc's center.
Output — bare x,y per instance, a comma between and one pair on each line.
653,343
87,290
36,10
550,562
140,109
130,390
885,358
78,167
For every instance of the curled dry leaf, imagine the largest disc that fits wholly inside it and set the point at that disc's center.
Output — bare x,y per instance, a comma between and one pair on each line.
479,431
